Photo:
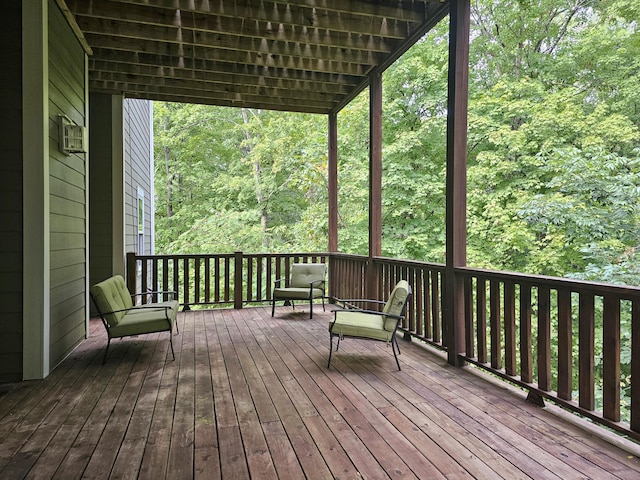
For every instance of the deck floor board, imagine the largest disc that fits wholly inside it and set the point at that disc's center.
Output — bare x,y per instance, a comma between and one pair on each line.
250,396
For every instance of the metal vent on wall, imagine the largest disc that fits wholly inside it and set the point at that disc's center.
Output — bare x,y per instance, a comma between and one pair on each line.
71,136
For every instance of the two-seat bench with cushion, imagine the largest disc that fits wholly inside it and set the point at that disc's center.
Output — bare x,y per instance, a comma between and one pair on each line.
121,318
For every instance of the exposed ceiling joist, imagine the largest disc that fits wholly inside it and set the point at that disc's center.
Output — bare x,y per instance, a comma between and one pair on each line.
306,55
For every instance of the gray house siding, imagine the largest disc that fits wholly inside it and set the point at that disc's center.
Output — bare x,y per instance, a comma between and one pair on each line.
11,195
67,191
138,133
115,181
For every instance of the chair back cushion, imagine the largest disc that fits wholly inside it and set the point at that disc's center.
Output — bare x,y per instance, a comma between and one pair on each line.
111,295
395,305
303,273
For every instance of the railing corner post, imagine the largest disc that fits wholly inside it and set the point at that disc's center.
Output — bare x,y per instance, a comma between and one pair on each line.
131,275
238,281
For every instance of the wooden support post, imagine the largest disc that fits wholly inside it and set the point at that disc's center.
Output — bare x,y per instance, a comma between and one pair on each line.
238,281
375,182
456,241
132,277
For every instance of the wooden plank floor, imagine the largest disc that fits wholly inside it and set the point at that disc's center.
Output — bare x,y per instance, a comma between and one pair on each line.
250,396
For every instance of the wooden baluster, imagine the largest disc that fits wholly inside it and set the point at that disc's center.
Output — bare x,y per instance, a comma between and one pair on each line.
495,324
144,287
468,317
526,344
435,307
419,307
196,279
611,358
481,319
249,278
227,279
635,366
586,354
565,334
510,361
185,284
207,280
154,279
259,273
544,338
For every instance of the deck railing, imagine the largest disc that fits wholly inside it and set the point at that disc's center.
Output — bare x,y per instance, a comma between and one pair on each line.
561,339
213,280
575,343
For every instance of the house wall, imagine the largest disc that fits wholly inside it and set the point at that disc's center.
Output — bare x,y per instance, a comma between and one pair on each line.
121,138
11,195
67,191
44,194
138,136
101,207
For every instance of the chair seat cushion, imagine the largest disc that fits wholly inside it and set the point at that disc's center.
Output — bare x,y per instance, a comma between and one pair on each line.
143,320
296,293
358,324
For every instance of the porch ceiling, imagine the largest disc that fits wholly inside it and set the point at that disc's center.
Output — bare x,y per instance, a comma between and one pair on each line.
309,56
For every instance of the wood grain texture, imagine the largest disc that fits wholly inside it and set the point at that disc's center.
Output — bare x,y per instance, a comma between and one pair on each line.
249,396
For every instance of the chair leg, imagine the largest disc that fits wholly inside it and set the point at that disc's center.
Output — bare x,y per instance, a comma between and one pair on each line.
330,349
311,308
106,350
393,347
273,306
171,343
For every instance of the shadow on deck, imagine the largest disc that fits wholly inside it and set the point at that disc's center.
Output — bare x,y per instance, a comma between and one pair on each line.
250,396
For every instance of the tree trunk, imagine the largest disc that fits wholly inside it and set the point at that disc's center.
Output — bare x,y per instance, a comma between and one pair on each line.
168,175
257,178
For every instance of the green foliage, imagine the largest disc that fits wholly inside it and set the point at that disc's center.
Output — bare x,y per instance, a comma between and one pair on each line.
553,147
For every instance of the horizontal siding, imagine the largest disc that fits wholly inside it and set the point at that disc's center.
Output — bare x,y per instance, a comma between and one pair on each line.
137,138
67,192
11,208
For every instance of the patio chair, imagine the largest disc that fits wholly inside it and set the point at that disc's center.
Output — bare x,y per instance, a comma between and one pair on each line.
306,282
369,324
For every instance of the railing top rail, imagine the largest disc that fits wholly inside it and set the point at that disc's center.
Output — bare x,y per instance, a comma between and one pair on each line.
410,263
224,255
596,288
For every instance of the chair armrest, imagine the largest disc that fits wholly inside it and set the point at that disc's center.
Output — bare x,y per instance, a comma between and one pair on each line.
370,312
317,284
348,302
165,308
172,293
277,282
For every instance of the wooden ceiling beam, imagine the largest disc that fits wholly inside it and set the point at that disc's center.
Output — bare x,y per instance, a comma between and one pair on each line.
305,56
232,44
384,16
212,87
188,65
101,66
187,51
196,96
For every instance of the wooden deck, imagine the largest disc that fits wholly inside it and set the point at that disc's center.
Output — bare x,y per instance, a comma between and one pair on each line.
251,397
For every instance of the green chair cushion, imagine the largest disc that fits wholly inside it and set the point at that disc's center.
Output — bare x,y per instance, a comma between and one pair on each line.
395,304
302,274
143,320
296,293
111,295
353,323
